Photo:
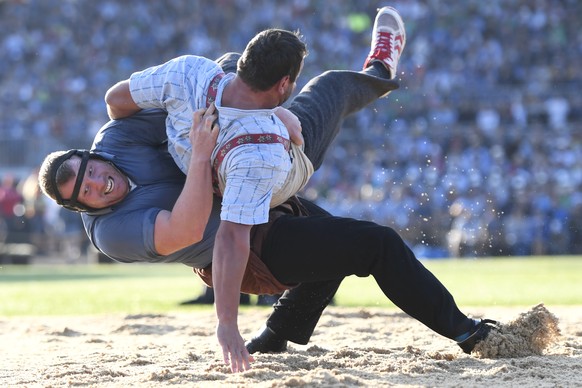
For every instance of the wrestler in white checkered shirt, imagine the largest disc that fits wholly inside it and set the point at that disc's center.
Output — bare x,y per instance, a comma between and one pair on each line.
259,176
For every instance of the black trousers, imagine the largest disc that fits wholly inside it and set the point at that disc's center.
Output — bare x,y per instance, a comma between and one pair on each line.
326,100
319,251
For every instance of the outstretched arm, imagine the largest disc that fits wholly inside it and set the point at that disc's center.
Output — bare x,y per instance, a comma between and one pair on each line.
119,102
185,224
231,253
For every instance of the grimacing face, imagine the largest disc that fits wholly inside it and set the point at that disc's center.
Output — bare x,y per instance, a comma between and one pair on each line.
103,185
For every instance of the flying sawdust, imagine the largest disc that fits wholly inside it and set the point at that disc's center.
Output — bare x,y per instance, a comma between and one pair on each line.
528,335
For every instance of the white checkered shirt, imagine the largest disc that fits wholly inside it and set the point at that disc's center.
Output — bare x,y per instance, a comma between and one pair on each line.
252,177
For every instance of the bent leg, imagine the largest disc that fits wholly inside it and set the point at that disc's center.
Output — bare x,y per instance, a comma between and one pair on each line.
297,312
327,99
325,248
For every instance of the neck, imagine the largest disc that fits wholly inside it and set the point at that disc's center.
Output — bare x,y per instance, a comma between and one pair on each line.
237,94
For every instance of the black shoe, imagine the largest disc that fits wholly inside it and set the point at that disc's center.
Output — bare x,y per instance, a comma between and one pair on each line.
266,341
481,331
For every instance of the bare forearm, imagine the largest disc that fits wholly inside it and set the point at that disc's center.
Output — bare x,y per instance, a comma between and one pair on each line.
229,262
193,207
185,224
231,251
119,102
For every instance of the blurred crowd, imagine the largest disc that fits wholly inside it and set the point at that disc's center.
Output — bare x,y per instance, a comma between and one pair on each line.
28,218
478,153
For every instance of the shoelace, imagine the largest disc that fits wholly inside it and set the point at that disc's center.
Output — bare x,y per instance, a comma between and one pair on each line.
384,45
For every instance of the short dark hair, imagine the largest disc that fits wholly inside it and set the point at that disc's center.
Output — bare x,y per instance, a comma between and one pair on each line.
271,55
63,173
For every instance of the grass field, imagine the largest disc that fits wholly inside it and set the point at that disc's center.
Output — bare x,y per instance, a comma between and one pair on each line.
136,288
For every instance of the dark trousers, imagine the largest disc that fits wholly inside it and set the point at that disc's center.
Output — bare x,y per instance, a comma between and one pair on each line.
318,251
326,100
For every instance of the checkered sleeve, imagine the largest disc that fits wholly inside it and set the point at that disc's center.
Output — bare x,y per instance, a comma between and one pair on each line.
173,84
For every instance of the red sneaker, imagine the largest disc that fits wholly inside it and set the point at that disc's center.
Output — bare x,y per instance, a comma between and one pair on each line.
388,40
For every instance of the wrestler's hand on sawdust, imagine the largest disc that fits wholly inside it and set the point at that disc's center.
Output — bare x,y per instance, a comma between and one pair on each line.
233,346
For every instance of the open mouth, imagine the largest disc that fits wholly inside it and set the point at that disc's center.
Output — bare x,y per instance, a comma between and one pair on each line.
110,185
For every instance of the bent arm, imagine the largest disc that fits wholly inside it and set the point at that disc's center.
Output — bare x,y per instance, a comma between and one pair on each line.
185,224
119,102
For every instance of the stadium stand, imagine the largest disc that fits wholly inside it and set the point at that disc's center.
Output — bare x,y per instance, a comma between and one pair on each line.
479,152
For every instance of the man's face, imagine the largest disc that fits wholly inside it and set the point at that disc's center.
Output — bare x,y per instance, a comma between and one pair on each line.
103,185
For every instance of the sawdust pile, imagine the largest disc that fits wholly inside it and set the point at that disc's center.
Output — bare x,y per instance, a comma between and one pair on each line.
351,347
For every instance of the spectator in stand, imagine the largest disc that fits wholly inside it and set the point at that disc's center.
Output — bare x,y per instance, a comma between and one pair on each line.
10,199
522,56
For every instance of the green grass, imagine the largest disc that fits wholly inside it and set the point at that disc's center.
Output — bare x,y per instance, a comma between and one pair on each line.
95,289
158,288
491,282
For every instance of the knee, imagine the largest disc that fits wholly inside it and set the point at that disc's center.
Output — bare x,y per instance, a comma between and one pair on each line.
394,245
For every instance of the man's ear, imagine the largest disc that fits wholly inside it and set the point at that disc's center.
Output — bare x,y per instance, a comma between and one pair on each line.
283,84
